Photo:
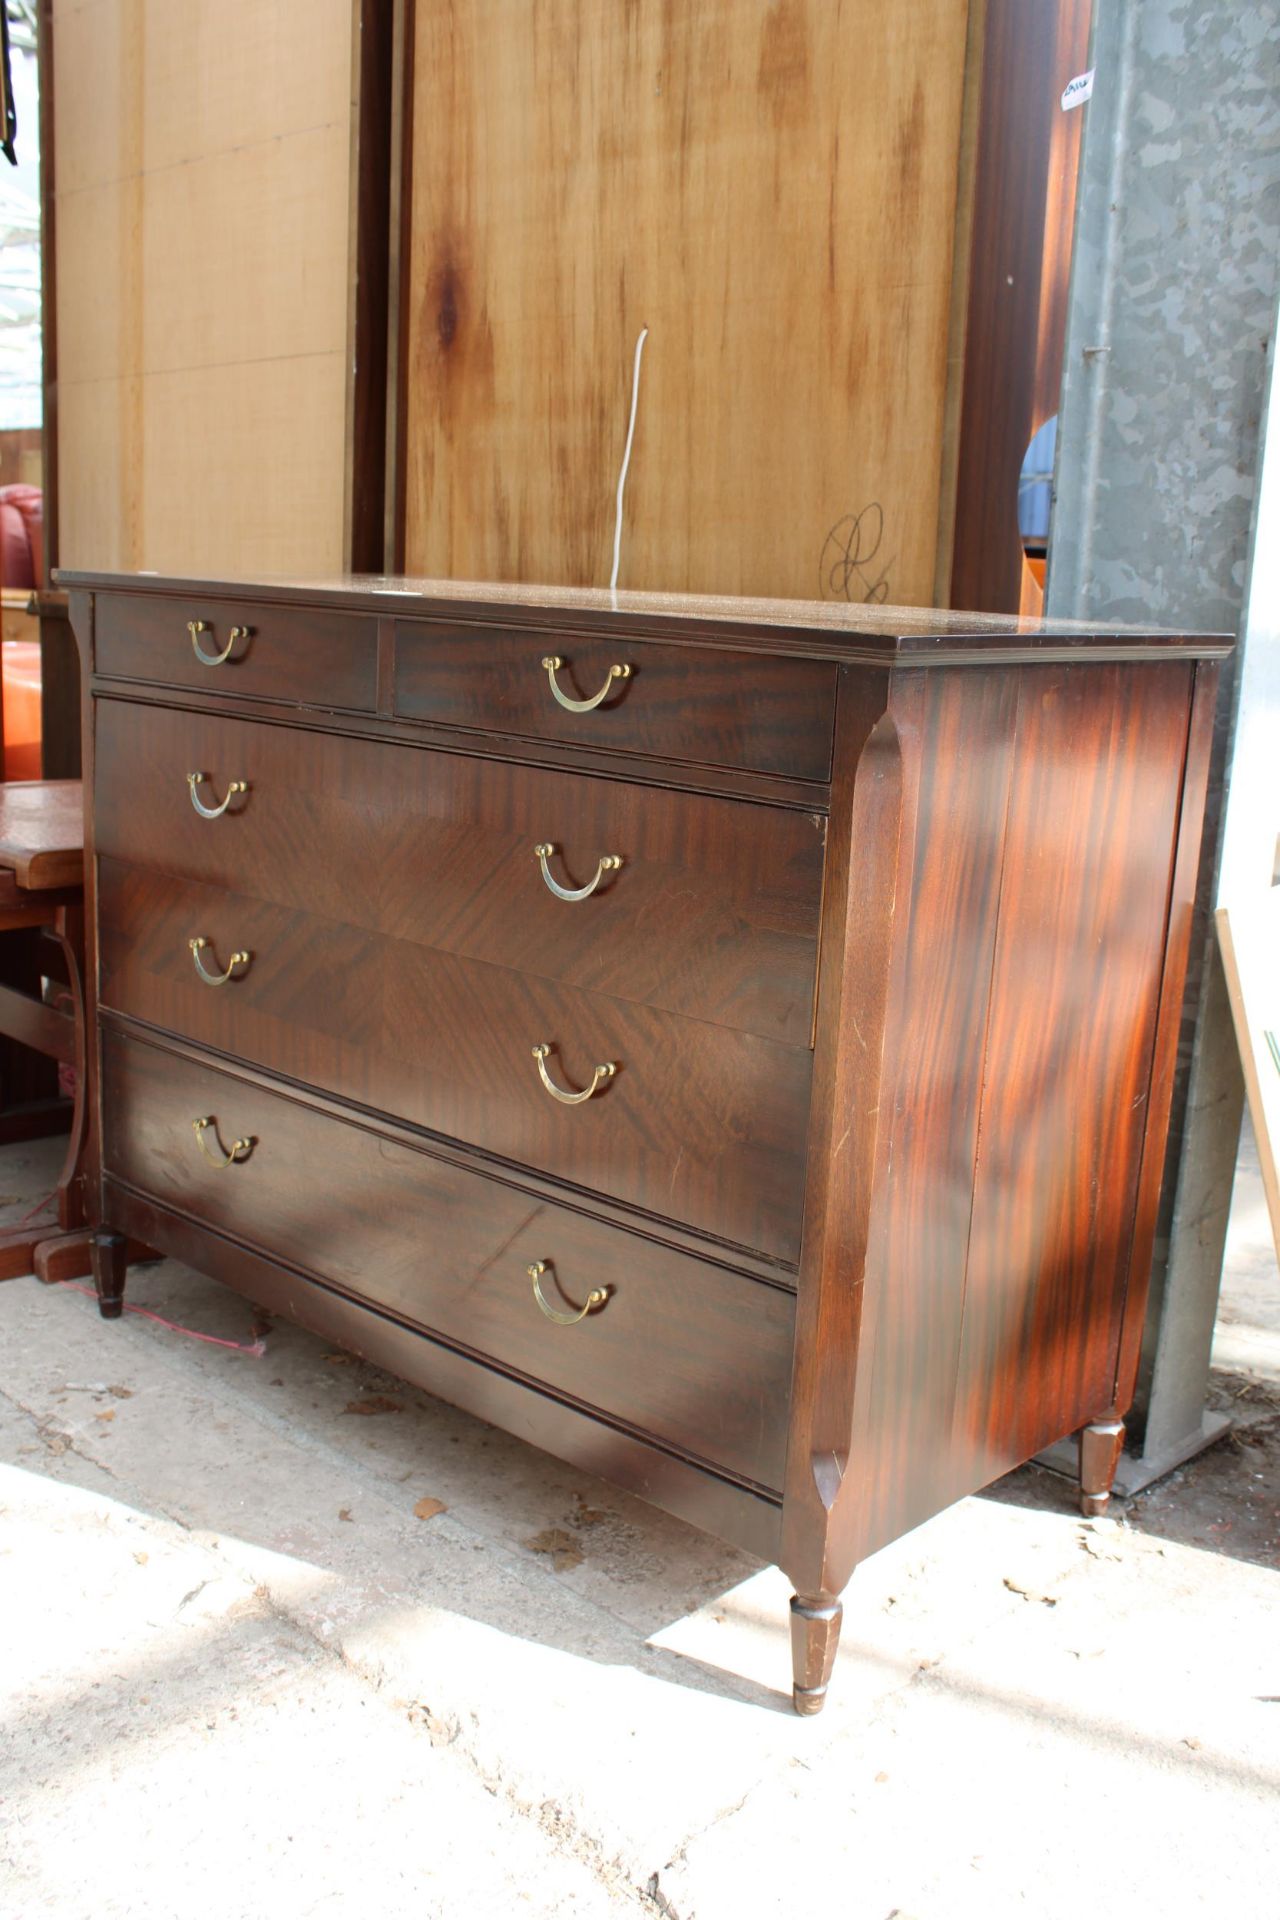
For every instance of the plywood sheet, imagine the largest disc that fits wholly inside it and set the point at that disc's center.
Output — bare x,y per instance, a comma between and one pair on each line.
245,461
202,223
771,190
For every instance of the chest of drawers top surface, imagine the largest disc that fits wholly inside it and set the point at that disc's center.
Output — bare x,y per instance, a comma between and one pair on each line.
833,630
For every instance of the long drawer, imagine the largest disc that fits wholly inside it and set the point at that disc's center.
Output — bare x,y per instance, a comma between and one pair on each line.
698,1123
712,913
307,657
734,710
679,1349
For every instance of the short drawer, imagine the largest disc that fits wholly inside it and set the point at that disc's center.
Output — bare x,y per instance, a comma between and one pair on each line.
675,703
306,657
698,1123
711,913
683,1350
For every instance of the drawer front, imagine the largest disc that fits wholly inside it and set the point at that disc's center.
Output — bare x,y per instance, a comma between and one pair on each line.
684,1351
698,1124
712,914
676,703
312,659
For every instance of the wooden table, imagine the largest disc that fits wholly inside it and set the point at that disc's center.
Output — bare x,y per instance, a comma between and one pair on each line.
42,937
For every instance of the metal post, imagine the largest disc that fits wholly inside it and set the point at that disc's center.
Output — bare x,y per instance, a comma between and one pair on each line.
1172,311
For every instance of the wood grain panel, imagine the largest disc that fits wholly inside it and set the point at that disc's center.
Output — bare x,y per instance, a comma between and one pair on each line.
773,716
720,1506
959,755
240,258
1179,938
714,913
321,658
1093,820
699,1124
202,236
242,466
348,1204
771,190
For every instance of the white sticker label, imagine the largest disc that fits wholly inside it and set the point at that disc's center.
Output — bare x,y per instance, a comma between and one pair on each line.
1077,91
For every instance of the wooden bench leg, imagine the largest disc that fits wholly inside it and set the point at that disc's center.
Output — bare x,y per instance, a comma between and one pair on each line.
17,1250
67,932
69,1256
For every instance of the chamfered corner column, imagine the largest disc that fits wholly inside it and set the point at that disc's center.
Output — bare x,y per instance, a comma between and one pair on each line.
1101,1444
815,1635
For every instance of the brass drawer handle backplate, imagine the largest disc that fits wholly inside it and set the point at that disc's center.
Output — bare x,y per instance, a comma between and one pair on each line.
596,1298
598,1078
195,780
608,863
240,1149
198,946
196,627
552,663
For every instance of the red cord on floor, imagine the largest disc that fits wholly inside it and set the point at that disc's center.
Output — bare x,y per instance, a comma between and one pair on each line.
256,1347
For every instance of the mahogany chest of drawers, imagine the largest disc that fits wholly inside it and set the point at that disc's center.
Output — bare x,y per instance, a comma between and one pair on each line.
728,1044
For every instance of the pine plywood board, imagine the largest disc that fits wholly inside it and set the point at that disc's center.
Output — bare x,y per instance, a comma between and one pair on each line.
263,70
96,488
244,255
92,136
90,289
771,189
202,234
144,84
1249,935
244,467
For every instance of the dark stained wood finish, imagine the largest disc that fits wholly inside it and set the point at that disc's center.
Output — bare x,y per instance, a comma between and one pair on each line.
774,716
63,1256
17,1251
366,425
439,849
48,1029
677,776
42,832
1101,1445
1088,862
1178,936
960,760
1024,205
967,1117
815,1635
699,1123
746,1517
871,814
841,632
347,1204
320,660
107,1255
59,685
42,938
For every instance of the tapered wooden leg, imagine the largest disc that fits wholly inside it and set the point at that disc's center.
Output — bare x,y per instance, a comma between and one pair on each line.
815,1634
1100,1447
107,1252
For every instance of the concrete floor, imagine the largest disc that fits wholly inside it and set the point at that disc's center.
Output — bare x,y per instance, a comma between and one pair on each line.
246,1670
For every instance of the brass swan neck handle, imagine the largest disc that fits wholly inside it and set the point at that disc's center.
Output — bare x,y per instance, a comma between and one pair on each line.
552,663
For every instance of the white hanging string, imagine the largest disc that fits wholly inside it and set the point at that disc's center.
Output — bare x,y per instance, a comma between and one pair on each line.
626,460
